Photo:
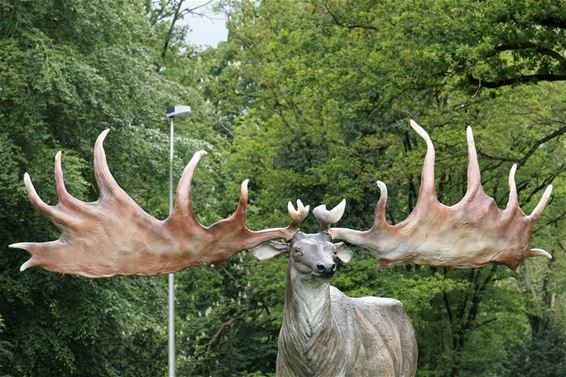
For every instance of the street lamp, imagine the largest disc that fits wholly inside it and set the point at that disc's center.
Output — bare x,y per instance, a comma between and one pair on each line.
179,111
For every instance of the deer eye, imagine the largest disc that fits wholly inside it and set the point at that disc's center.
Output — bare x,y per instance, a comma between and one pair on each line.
297,252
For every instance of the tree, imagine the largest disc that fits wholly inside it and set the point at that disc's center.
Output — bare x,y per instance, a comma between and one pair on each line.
68,70
319,95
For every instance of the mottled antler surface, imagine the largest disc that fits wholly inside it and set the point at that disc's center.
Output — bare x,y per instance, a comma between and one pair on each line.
471,233
115,236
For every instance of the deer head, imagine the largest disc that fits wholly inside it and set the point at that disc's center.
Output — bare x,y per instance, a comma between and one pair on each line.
312,257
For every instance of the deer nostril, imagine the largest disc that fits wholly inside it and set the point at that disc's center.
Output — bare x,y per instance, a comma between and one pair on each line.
320,268
333,267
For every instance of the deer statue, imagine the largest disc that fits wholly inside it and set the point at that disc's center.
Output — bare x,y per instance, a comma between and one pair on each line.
324,332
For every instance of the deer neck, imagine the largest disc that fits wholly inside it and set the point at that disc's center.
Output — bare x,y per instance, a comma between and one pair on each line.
308,342
307,303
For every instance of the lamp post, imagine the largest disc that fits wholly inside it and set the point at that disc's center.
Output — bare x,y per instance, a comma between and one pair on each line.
179,111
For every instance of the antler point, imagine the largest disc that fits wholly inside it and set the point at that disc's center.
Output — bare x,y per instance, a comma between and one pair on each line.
26,265
382,186
100,139
535,252
290,207
541,204
470,134
415,126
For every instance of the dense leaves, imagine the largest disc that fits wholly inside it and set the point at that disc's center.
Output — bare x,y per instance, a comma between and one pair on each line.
310,100
68,70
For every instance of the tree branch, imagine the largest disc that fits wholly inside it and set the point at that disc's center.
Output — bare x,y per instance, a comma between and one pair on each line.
223,326
548,21
340,23
539,142
496,158
169,34
530,45
547,181
551,21
521,79
186,11
523,160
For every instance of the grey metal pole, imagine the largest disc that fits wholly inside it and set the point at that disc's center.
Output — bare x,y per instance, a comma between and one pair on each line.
170,277
179,111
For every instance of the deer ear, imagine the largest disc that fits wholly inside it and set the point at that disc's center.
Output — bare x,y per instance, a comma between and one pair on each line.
270,250
343,252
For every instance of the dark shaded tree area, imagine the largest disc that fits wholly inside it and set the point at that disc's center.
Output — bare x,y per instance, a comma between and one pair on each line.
321,96
68,70
309,100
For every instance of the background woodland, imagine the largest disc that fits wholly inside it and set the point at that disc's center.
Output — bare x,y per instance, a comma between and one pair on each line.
310,100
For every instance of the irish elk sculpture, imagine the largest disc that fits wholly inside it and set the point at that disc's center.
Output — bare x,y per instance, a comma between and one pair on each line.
324,332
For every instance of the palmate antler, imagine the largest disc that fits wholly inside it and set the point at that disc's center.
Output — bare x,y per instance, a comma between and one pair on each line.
114,236
471,233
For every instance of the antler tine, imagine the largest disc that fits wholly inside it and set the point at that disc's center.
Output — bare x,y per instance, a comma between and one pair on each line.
239,215
243,202
326,218
183,197
107,185
474,175
513,200
29,246
428,188
541,204
299,214
62,193
53,213
535,252
381,206
36,249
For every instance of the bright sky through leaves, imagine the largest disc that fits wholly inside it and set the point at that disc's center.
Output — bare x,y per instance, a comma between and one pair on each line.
207,27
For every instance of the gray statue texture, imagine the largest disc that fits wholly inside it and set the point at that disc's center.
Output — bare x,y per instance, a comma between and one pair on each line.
324,332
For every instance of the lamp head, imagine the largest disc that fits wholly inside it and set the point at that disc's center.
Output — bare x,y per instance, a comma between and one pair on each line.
178,111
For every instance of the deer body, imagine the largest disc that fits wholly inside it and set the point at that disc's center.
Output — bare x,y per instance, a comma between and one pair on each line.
335,335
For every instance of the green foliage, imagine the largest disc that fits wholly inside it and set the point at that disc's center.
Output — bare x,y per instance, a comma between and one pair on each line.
543,355
6,356
317,96
307,99
67,71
